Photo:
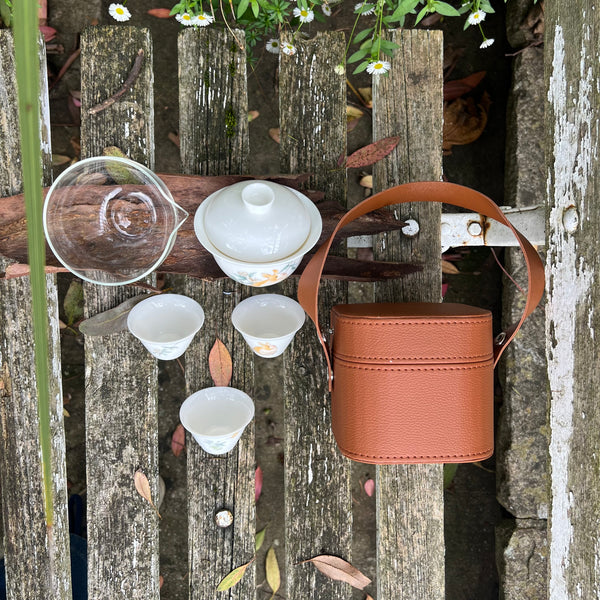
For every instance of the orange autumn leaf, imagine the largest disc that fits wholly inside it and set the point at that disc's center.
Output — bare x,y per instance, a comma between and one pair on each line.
219,364
340,570
160,13
142,485
178,440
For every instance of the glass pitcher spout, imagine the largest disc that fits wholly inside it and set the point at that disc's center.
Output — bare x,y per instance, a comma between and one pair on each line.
180,216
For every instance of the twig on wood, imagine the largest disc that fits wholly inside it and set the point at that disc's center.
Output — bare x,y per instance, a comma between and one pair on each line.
131,78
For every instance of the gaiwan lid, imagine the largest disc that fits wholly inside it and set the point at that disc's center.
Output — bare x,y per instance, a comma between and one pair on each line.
256,221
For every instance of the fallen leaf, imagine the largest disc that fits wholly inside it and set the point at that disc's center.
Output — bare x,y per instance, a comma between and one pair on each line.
369,597
274,133
464,121
340,570
174,138
258,482
367,181
112,320
353,115
449,269
160,13
458,87
66,413
444,289
178,440
49,33
449,473
372,153
73,302
272,571
20,270
142,485
219,364
369,487
259,539
367,96
60,159
161,581
252,114
233,577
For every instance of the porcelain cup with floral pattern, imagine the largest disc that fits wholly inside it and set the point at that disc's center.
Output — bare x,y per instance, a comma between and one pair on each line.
257,231
166,324
216,417
268,322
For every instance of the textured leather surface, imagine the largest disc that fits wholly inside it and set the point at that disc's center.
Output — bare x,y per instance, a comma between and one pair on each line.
413,382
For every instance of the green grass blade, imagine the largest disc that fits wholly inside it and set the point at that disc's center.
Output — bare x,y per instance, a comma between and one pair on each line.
25,27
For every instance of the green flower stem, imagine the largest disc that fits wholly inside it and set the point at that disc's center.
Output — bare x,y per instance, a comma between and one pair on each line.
28,78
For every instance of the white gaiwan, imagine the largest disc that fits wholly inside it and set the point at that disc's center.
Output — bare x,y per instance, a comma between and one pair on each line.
257,231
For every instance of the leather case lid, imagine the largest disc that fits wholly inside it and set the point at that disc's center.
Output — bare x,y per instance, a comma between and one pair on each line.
409,332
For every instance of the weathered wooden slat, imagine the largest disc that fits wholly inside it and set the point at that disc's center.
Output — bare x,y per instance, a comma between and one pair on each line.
573,296
121,377
37,563
214,140
318,506
410,501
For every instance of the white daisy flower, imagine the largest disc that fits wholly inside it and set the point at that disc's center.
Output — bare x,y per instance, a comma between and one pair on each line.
476,17
203,19
370,8
185,19
340,69
288,49
306,15
378,67
272,46
326,9
118,12
487,43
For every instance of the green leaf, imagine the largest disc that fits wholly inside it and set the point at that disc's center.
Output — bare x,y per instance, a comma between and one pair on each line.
362,67
449,473
177,8
259,539
73,302
421,14
358,55
443,8
255,8
241,9
361,35
404,8
388,44
486,7
233,577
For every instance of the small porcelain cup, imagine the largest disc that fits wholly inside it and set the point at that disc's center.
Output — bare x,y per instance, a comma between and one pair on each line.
217,417
166,324
268,322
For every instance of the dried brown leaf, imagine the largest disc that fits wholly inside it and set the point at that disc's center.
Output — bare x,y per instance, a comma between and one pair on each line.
464,121
367,96
340,570
253,114
372,153
160,13
20,270
272,570
367,181
458,87
112,320
142,485
274,133
178,440
60,159
233,577
353,115
219,364
369,597
448,268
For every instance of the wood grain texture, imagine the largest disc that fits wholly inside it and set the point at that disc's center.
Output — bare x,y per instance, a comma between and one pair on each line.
216,482
121,377
410,501
318,506
37,561
573,296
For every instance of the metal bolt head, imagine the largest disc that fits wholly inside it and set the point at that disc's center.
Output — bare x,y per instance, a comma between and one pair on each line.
474,228
570,219
224,518
411,228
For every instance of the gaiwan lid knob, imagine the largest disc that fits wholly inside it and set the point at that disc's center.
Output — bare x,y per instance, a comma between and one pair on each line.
256,221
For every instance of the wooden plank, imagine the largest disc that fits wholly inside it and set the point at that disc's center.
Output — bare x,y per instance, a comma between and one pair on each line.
318,505
121,377
37,561
214,139
410,500
573,296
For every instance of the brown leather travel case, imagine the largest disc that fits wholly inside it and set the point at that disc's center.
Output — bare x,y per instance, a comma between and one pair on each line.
413,382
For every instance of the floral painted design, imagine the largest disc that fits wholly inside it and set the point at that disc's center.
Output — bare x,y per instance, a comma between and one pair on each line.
260,279
265,349
219,445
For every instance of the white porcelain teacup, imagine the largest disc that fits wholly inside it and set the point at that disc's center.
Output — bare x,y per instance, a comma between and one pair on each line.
268,322
166,324
217,417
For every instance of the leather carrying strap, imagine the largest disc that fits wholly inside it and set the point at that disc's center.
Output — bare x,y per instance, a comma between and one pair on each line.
428,191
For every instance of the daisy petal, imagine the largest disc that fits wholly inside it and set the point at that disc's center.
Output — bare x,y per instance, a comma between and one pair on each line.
118,12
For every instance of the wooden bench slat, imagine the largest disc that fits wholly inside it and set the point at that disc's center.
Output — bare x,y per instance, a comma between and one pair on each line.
214,141
121,376
571,139
36,568
318,504
410,500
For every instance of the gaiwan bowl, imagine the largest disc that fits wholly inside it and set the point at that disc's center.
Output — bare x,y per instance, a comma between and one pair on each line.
258,231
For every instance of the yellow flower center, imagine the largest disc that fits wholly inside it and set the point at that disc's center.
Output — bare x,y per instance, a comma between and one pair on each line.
377,66
120,11
201,18
186,17
304,13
